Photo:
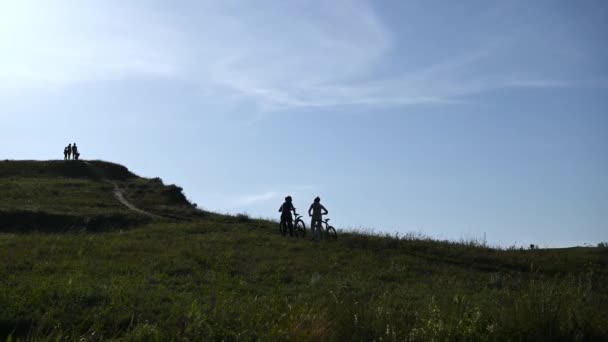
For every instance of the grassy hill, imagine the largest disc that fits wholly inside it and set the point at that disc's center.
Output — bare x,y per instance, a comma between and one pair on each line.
63,196
77,264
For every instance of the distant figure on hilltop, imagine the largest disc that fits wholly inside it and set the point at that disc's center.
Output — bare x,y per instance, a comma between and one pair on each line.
286,218
317,210
75,154
71,152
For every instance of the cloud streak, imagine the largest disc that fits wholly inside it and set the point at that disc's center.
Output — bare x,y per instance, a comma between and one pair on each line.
292,55
245,200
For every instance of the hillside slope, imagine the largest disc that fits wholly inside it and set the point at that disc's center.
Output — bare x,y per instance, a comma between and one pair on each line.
68,195
187,275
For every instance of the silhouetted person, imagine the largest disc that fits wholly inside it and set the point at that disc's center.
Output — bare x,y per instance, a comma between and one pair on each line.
286,218
66,153
75,153
69,151
317,210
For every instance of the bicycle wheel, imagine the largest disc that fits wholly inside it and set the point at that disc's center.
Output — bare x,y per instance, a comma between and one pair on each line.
300,228
331,233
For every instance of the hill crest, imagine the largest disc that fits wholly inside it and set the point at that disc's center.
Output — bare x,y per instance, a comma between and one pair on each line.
94,195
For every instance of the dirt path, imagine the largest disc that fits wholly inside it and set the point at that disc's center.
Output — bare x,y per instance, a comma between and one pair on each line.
119,195
121,198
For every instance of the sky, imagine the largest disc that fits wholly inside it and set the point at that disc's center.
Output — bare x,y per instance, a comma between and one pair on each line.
454,120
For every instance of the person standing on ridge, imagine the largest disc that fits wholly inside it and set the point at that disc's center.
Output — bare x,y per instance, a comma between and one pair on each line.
286,218
65,153
75,153
69,151
317,210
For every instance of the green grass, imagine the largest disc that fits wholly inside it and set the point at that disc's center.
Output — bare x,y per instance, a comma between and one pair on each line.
212,277
154,196
80,196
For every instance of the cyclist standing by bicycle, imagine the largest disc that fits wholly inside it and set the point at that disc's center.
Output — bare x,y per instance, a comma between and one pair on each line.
317,210
286,218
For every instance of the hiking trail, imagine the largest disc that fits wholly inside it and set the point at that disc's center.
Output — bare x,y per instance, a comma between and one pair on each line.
119,194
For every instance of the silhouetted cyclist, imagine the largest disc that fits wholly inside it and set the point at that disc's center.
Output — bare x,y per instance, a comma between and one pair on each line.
317,210
286,218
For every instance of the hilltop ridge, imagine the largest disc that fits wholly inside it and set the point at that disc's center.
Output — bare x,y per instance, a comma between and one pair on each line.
97,195
63,168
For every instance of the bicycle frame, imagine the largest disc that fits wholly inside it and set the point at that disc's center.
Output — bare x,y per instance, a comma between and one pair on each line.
326,229
297,219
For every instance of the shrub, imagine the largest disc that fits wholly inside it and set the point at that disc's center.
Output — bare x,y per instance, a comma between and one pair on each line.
175,194
243,217
156,180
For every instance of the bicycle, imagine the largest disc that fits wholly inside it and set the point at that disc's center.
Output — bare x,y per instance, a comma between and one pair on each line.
299,228
329,231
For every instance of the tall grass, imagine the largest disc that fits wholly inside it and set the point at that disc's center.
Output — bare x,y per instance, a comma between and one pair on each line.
225,279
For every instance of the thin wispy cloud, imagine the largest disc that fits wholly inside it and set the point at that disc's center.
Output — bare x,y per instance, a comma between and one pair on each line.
270,194
245,200
296,54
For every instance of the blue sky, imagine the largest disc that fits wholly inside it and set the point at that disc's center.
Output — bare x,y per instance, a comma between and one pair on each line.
447,119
